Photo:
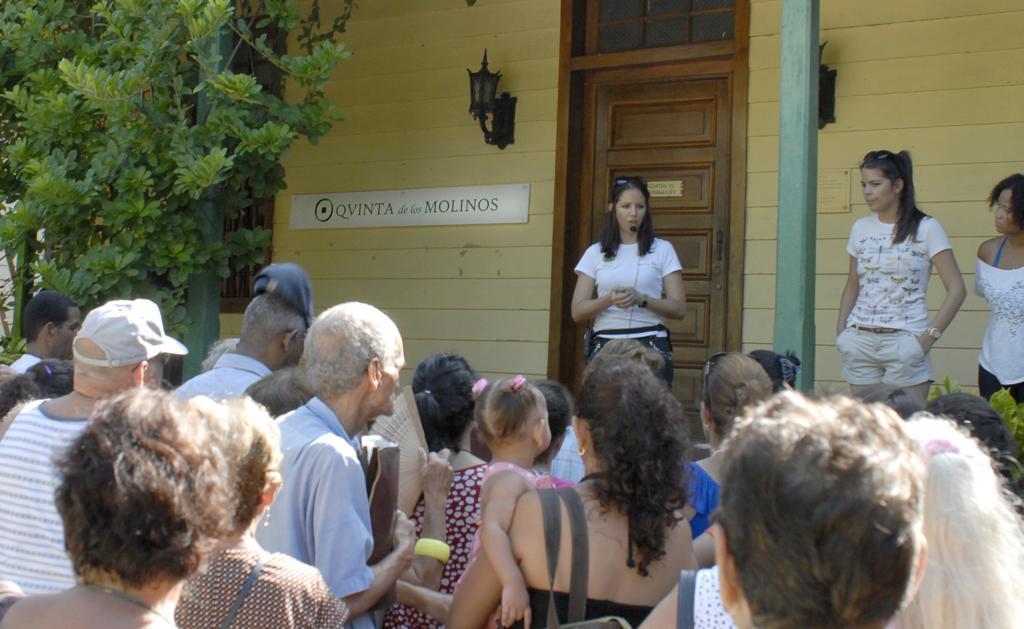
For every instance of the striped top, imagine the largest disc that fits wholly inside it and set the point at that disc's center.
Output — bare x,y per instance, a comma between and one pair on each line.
31,532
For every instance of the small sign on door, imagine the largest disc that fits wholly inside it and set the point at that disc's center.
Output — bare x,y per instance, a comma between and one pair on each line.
666,188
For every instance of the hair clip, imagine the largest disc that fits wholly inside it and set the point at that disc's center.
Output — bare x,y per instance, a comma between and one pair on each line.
938,446
479,386
518,382
789,370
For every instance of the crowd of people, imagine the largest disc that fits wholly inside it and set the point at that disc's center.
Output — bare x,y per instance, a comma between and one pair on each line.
241,497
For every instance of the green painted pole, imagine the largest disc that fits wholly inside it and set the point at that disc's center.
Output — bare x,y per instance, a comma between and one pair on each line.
798,185
203,298
22,283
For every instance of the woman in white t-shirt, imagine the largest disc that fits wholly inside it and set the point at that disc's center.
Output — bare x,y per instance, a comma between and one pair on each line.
1000,280
884,332
630,281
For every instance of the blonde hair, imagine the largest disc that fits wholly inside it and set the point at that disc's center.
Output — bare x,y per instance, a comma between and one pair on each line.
735,382
506,407
251,443
975,537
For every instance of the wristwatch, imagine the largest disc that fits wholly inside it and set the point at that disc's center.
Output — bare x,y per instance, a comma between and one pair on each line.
935,333
643,304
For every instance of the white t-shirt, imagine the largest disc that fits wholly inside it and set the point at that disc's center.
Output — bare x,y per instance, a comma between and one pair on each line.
893,278
627,270
24,362
1003,346
32,540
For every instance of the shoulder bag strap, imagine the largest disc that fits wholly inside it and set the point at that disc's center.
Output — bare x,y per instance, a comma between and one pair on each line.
551,510
246,588
687,592
580,554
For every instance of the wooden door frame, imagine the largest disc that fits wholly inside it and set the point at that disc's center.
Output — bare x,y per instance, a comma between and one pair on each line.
696,61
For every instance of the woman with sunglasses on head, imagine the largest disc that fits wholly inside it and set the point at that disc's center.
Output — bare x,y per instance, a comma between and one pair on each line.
732,382
884,332
630,281
1000,280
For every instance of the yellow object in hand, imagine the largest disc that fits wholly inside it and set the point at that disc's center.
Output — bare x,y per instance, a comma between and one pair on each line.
426,547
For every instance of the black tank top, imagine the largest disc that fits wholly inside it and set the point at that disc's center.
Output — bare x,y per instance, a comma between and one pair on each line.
596,608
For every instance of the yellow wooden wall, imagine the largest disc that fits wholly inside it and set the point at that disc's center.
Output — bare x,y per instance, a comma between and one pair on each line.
482,291
941,78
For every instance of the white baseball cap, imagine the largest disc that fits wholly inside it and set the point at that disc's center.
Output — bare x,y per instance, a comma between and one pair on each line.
126,331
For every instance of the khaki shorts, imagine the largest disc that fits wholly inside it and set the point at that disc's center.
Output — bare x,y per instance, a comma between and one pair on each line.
895,359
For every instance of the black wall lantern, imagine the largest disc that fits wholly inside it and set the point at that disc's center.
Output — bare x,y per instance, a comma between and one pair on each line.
826,92
483,85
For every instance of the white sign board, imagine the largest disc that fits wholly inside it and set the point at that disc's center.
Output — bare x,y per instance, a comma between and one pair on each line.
470,205
665,188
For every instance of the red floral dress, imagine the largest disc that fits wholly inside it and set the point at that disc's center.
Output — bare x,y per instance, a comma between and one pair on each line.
462,516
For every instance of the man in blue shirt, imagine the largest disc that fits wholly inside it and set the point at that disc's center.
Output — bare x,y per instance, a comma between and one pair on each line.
321,515
273,330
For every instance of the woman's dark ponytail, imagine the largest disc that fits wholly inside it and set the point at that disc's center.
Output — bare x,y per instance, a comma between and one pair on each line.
443,388
909,217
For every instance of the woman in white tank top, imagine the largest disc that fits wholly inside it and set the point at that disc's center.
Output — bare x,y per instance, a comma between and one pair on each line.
1000,280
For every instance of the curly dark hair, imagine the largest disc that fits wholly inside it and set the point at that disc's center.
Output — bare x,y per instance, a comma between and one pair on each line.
1015,184
986,425
48,378
637,430
443,387
144,490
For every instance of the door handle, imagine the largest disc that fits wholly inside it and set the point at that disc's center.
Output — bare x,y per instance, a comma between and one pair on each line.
719,239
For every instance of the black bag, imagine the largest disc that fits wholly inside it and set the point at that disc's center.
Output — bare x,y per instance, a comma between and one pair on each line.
552,512
593,339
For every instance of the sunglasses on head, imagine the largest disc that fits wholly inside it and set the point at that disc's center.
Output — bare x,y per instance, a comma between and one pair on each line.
708,366
639,181
878,156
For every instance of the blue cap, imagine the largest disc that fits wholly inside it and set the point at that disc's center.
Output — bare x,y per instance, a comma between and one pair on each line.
290,282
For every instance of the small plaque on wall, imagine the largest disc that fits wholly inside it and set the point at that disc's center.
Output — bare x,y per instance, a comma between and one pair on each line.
833,191
469,205
665,188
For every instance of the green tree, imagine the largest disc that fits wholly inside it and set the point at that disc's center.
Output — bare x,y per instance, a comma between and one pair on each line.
127,138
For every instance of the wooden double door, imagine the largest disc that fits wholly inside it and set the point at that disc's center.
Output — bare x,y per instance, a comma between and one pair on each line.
676,133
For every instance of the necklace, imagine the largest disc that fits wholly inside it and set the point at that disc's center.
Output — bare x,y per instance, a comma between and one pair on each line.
127,598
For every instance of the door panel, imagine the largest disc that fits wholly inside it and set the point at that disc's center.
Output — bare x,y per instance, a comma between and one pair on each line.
675,133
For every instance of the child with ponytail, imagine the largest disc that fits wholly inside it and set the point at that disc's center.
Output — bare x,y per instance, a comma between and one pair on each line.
512,416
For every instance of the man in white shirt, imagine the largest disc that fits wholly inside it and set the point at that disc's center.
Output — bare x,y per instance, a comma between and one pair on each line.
111,354
49,322
273,331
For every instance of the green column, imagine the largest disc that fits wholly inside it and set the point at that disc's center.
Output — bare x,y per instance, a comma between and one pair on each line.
798,167
22,281
203,298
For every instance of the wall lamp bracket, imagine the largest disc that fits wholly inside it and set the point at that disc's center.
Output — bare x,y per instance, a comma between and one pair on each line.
483,87
826,91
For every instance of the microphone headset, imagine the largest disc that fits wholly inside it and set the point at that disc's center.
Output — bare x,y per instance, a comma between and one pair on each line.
633,228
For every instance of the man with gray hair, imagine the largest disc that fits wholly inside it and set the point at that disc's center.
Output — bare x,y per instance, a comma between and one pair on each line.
273,329
321,515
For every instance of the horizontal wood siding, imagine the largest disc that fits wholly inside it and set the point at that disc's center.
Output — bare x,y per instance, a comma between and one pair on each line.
941,78
482,291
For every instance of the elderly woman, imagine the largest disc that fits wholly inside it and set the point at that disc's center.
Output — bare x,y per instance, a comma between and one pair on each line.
631,438
144,490
246,586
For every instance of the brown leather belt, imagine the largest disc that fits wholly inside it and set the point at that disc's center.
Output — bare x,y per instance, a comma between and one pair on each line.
865,328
